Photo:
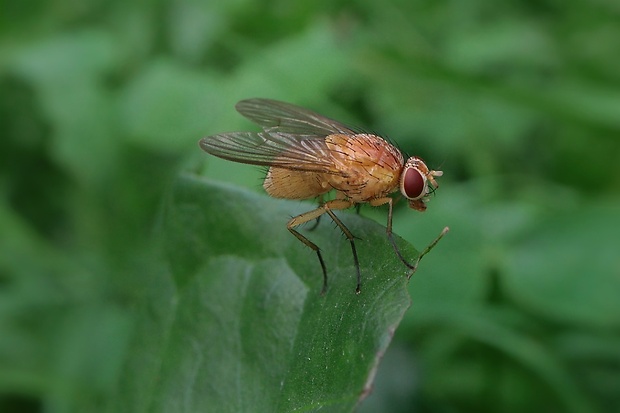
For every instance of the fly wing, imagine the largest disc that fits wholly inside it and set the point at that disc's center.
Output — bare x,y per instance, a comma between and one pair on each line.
281,117
295,152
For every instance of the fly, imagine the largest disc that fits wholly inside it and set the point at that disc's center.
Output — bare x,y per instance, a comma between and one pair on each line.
309,155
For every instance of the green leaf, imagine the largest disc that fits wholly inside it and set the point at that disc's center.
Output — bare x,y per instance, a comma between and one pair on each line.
568,269
290,70
167,105
240,317
65,71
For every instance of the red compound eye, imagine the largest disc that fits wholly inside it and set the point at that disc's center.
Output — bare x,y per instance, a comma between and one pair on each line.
414,184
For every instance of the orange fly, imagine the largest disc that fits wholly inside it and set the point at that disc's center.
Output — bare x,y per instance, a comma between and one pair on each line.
309,155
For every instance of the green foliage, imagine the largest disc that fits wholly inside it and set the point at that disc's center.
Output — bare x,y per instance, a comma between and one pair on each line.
123,286
242,325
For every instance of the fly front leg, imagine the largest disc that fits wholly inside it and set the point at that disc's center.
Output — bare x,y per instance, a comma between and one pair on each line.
428,248
413,267
327,207
388,229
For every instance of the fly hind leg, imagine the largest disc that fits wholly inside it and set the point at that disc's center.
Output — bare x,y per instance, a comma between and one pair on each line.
327,207
318,219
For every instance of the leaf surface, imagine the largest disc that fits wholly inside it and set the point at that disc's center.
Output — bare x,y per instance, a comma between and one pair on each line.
246,328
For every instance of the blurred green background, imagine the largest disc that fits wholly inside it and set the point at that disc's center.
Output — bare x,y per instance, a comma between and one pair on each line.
518,102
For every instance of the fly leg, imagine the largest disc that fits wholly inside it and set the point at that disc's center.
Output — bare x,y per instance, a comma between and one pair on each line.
413,267
318,219
428,248
327,207
343,204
